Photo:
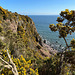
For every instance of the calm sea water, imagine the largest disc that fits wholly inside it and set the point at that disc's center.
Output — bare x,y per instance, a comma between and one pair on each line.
42,25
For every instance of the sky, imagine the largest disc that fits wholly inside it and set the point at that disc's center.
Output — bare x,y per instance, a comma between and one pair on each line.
38,7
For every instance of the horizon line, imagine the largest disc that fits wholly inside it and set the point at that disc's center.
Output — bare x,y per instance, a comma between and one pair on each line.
44,14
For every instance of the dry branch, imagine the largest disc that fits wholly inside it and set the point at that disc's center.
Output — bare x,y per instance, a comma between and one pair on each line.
9,65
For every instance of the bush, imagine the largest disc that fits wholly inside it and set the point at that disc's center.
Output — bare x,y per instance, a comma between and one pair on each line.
2,44
38,46
1,28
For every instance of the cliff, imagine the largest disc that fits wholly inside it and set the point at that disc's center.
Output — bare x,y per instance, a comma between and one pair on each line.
31,56
18,33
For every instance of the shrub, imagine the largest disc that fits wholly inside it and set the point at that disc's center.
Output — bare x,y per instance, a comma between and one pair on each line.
1,28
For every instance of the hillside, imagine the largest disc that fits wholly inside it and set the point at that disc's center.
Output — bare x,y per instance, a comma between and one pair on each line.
18,34
21,44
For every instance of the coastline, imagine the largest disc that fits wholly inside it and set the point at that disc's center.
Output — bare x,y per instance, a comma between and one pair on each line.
54,46
46,50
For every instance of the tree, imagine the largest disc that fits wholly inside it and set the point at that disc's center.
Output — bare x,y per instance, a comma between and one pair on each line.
64,29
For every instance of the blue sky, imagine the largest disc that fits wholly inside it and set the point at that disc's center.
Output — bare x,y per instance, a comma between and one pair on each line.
38,7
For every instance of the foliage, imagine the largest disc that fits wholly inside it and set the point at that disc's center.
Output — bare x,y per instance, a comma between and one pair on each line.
24,67
24,29
20,37
2,44
1,28
4,13
73,43
49,66
65,26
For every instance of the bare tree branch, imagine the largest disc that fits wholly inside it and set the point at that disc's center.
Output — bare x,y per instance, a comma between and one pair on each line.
14,69
9,65
4,61
66,42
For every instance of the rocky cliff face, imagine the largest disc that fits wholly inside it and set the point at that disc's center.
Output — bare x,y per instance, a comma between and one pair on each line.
18,33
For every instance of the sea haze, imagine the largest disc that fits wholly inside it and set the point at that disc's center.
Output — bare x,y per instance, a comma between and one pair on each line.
42,24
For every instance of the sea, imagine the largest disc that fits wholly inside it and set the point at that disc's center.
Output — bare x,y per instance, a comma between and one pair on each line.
42,23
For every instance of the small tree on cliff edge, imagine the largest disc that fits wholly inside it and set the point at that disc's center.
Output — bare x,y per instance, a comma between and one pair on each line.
65,28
